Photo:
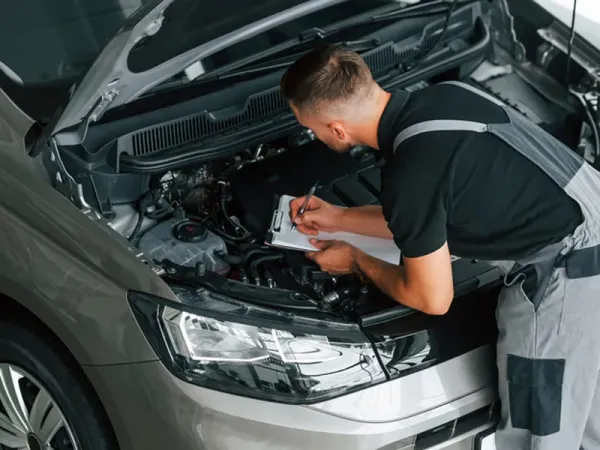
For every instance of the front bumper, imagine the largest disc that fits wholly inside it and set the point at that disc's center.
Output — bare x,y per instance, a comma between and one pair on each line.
150,409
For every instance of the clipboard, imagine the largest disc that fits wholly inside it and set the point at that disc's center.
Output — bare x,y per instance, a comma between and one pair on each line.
282,235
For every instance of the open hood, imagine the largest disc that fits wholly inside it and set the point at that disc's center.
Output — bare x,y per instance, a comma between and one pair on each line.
109,82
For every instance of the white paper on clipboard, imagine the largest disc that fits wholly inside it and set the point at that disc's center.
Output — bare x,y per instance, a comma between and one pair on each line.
282,235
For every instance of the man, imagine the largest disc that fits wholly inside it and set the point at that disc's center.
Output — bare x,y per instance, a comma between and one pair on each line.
466,175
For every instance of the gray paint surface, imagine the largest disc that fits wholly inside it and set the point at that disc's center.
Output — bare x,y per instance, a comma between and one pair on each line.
61,265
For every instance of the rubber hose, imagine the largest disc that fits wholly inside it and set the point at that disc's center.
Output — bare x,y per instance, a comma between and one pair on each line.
263,259
229,219
138,226
250,254
146,200
226,236
232,260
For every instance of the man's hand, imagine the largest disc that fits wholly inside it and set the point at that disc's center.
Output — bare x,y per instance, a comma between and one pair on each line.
318,216
335,257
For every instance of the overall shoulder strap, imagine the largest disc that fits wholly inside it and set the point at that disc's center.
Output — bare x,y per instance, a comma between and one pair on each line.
447,125
438,125
567,169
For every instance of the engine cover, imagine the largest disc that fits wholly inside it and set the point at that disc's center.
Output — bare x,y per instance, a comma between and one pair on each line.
343,180
186,243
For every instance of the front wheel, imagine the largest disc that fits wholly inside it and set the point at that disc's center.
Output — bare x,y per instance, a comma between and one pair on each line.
45,404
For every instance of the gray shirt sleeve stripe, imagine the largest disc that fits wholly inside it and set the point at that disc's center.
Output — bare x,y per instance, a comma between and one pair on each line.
438,125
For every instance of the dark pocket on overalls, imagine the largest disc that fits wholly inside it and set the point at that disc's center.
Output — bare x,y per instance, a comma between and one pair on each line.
535,393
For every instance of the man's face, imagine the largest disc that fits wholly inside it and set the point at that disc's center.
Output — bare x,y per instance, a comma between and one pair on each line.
331,133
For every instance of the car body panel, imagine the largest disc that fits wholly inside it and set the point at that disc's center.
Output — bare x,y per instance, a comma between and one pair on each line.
70,272
417,392
196,418
15,124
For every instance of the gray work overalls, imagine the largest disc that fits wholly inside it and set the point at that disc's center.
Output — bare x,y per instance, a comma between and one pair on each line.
549,339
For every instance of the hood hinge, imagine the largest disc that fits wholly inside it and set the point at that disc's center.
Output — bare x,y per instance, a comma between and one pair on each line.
105,99
74,136
77,136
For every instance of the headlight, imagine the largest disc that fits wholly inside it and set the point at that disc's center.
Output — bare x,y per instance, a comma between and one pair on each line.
215,342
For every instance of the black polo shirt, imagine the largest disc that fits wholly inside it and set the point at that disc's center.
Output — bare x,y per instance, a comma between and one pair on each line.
469,189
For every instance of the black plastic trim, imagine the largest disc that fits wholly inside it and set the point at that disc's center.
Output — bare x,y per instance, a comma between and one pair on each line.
219,148
438,67
269,103
478,442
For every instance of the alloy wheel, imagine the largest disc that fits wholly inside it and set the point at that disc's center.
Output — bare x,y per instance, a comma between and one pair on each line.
30,419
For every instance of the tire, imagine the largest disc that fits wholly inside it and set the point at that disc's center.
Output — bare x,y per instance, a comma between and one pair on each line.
52,390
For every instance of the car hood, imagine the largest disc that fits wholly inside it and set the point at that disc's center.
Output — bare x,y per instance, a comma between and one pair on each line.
109,83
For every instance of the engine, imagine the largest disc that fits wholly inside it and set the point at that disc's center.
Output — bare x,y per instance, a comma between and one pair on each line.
213,218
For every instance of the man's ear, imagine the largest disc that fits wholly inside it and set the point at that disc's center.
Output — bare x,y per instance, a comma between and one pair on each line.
338,130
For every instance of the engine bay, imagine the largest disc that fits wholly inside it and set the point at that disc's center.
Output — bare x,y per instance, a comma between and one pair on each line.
207,225
213,219
193,185
210,220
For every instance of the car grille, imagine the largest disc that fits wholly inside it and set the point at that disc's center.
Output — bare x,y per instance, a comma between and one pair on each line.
458,434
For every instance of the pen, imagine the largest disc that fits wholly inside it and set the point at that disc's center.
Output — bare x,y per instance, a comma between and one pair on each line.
306,200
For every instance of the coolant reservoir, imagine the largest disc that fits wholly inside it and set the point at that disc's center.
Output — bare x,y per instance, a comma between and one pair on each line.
185,242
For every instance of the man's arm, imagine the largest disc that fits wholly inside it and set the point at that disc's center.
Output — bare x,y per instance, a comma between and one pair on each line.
365,220
424,283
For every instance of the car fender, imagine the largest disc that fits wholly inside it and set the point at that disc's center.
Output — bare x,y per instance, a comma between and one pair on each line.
69,271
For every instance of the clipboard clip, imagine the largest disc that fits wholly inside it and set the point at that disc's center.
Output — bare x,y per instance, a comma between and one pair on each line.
276,221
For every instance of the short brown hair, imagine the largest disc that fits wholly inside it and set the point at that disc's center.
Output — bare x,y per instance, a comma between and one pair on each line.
328,74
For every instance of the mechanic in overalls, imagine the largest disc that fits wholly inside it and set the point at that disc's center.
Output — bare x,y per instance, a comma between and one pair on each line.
466,175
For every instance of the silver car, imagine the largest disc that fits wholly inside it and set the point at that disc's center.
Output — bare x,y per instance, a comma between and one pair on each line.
143,148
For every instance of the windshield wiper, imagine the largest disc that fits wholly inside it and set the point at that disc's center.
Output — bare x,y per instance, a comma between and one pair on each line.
270,63
279,63
317,34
